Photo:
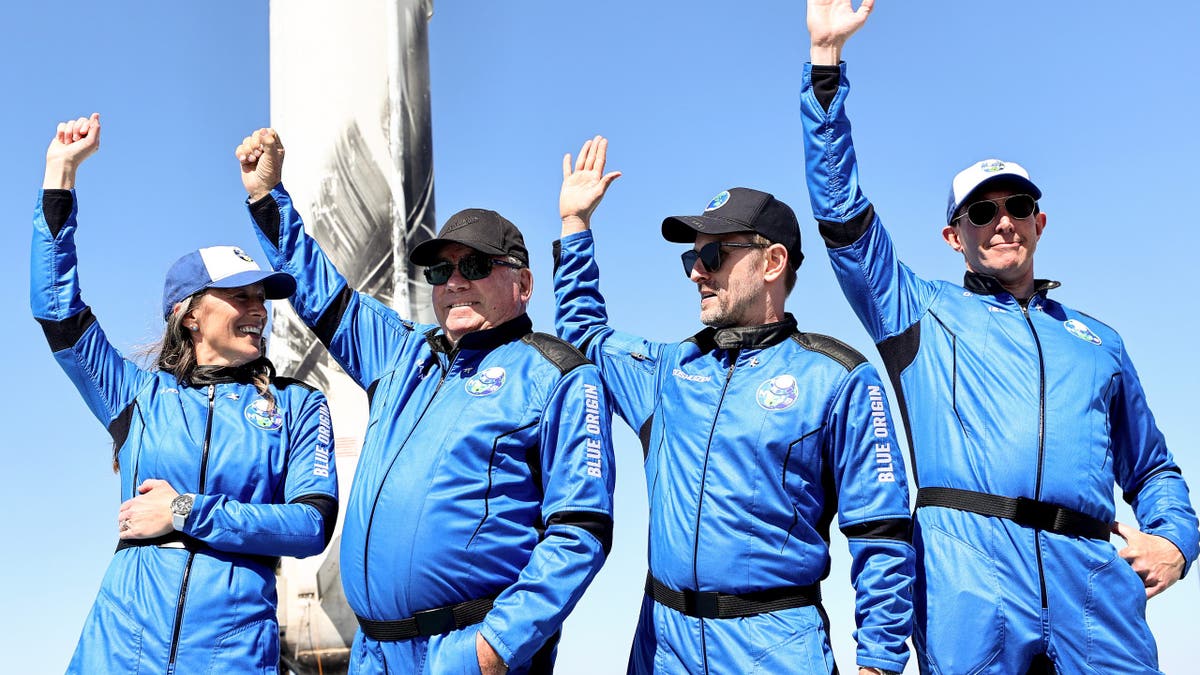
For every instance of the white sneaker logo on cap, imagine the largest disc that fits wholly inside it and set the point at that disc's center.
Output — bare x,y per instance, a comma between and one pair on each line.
991,166
718,201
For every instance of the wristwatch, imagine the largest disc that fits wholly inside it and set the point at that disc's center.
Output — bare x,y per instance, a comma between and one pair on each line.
181,506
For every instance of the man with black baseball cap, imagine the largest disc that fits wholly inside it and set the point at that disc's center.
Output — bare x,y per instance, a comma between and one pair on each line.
1022,415
754,434
482,500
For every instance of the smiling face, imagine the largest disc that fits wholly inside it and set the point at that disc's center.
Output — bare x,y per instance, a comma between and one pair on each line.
227,325
733,295
463,306
1003,248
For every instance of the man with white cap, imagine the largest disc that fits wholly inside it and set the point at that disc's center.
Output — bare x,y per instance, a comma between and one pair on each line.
1022,414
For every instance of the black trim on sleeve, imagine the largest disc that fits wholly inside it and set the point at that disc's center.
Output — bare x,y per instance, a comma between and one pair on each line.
266,216
328,508
56,207
825,81
837,235
327,324
599,524
557,253
65,333
898,529
1133,494
839,351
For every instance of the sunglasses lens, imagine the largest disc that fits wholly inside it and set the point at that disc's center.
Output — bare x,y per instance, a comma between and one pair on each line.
1019,206
689,259
710,257
475,267
981,213
439,274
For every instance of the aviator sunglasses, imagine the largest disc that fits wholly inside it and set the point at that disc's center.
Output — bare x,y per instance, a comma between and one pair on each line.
473,267
709,255
982,213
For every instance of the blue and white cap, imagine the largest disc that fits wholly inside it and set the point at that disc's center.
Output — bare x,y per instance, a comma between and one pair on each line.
221,267
971,179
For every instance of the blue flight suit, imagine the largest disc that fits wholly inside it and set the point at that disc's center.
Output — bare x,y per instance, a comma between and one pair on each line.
1031,400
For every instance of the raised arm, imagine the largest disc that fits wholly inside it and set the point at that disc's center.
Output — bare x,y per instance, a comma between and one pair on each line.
104,379
362,334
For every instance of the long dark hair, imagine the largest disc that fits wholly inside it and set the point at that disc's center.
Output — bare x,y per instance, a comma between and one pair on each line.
176,354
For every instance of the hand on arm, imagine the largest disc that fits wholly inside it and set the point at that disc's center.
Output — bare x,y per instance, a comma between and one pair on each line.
830,25
73,142
1156,560
261,157
583,188
148,514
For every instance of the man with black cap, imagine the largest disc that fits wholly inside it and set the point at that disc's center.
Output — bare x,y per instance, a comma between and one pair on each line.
754,435
482,500
1022,414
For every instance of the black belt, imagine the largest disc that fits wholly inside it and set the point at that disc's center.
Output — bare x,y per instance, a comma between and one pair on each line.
193,545
435,621
716,605
1020,510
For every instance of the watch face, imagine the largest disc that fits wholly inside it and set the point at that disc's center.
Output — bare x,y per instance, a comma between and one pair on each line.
181,505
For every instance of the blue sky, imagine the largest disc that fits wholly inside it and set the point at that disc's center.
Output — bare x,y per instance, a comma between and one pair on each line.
1097,101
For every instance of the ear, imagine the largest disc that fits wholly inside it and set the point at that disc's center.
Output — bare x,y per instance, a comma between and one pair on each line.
525,284
950,234
1039,222
776,262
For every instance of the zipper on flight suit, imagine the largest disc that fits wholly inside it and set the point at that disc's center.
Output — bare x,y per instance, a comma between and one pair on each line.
375,502
1041,441
187,567
700,501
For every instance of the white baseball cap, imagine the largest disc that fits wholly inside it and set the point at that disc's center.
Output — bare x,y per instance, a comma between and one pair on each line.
974,177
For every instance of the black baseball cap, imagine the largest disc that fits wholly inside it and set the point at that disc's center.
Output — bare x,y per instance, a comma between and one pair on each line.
483,230
741,209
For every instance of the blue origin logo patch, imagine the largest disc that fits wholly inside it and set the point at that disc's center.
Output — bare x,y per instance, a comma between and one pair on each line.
263,415
718,201
991,166
242,254
1080,330
778,393
486,382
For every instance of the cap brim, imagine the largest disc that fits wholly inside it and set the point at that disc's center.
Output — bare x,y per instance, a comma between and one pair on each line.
1018,182
276,285
426,253
683,229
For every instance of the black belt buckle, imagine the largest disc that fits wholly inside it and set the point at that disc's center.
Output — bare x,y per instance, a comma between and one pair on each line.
1032,513
705,604
434,621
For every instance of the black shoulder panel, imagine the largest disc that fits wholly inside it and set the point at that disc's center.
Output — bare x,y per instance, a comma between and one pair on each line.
644,436
559,352
835,349
285,382
64,334
118,429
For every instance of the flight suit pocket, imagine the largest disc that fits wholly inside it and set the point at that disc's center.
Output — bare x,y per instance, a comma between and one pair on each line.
111,640
1114,615
253,648
963,627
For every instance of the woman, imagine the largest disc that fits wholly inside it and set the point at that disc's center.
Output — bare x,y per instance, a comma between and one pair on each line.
223,465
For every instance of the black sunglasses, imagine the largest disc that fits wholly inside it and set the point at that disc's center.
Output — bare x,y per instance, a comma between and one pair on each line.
982,213
473,267
709,255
